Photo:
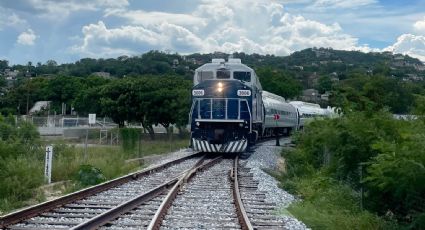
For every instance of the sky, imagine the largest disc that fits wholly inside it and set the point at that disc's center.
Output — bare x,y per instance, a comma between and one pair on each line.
68,30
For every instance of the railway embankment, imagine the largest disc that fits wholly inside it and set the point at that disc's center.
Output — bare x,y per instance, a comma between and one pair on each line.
22,164
262,165
360,171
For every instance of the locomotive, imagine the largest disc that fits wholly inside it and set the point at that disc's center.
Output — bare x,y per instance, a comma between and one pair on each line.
230,111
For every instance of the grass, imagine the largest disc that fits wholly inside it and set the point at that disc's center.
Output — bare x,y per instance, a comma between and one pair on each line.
18,177
21,176
110,160
327,204
161,146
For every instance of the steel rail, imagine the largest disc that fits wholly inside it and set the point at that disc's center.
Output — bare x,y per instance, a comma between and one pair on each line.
35,210
113,213
240,209
168,200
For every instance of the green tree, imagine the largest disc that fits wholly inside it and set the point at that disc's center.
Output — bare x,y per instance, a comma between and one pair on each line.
373,151
389,92
118,99
373,93
4,64
63,89
2,82
325,84
25,94
279,83
171,100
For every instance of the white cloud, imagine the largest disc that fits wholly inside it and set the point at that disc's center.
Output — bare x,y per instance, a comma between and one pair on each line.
412,45
251,26
100,41
27,38
342,3
140,17
60,9
419,26
11,19
112,3
292,34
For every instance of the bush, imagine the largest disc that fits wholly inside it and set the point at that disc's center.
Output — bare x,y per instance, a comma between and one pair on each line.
89,175
129,137
66,162
328,204
27,133
21,170
19,179
373,151
396,178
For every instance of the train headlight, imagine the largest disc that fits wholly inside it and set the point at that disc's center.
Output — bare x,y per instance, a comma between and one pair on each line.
197,123
240,124
220,87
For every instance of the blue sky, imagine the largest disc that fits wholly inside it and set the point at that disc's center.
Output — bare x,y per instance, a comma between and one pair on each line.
65,31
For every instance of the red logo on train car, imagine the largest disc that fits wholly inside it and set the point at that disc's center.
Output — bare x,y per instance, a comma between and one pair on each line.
276,117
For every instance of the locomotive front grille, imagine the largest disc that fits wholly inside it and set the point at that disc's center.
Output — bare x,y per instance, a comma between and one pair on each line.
221,109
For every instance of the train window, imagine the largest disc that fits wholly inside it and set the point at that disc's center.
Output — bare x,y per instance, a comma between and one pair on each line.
223,74
205,75
242,76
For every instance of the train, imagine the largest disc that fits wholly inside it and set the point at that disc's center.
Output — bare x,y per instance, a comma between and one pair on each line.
230,111
308,111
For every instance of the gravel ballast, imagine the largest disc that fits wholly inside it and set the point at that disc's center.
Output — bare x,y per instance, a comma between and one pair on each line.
266,157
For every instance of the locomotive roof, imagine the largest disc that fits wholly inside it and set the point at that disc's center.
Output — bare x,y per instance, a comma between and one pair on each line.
273,101
308,108
274,96
306,104
232,65
225,65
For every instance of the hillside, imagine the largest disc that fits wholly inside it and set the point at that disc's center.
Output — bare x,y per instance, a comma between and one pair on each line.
322,61
313,74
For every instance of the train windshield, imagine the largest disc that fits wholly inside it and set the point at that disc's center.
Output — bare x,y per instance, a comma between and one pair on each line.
223,74
205,75
242,76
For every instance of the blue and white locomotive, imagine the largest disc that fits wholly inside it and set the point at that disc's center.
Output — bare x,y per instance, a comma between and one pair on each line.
229,112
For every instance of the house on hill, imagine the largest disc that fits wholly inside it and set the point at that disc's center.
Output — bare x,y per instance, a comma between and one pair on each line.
102,74
39,106
310,95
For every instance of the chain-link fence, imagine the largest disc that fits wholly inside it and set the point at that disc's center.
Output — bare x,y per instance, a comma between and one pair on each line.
62,121
74,126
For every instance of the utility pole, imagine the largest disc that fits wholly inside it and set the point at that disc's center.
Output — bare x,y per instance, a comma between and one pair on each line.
361,187
28,100
140,144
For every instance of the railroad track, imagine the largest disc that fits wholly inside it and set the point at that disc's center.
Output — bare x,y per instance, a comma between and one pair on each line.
71,210
194,193
220,196
259,211
201,200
